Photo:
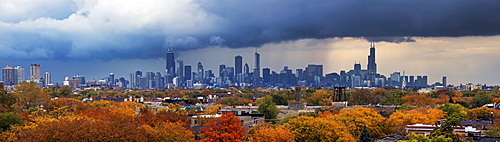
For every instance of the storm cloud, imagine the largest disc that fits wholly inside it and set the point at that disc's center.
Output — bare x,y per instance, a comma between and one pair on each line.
130,29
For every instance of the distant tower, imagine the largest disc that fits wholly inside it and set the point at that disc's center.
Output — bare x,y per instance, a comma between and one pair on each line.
222,67
34,72
47,78
9,75
111,79
357,68
238,64
200,72
256,70
180,70
444,81
257,64
170,69
246,69
403,81
187,72
372,66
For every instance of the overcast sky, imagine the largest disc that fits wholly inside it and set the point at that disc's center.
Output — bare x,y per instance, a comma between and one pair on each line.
459,39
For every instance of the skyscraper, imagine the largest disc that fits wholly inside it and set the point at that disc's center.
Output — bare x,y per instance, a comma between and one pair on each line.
180,70
20,73
257,65
372,66
246,69
187,72
200,72
47,78
222,67
238,64
170,69
34,72
9,75
111,79
444,81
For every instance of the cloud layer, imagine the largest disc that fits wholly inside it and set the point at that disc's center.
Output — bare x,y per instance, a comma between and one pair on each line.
128,29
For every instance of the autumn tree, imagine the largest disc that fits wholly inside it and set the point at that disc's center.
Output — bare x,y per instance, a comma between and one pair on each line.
227,128
418,100
234,101
267,107
71,104
482,113
454,114
174,108
322,97
59,92
361,97
423,115
265,132
306,128
30,95
214,109
354,119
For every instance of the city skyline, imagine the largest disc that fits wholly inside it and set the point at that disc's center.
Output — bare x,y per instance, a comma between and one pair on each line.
457,39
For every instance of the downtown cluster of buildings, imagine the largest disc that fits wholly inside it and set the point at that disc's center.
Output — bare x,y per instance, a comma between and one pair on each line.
178,75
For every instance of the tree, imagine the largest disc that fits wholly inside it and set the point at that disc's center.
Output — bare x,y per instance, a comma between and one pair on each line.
8,119
361,97
418,100
59,92
481,113
267,107
454,114
394,98
365,135
30,95
233,101
265,132
72,104
320,97
493,132
480,100
423,115
306,128
355,118
212,110
227,128
175,108
6,101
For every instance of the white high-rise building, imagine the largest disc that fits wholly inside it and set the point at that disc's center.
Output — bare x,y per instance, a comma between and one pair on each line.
46,77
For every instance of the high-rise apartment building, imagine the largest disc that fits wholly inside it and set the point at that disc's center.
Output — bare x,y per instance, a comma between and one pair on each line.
180,70
47,78
9,75
34,72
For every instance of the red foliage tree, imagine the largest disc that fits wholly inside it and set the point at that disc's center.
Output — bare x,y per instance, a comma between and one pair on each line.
227,128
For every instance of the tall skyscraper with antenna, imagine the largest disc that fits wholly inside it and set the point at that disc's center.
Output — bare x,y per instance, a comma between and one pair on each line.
170,66
372,66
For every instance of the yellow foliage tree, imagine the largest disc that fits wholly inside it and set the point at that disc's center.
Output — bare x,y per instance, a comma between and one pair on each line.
30,95
214,109
306,128
354,119
422,115
265,132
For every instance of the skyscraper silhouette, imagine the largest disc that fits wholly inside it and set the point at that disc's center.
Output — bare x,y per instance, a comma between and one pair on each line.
170,68
238,64
372,66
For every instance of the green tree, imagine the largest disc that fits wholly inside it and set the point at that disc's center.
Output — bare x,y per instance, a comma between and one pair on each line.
267,107
454,114
365,135
8,119
6,101
480,100
493,132
394,98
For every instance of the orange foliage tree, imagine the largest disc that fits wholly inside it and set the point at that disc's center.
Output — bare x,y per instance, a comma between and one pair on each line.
418,100
482,113
307,128
227,128
265,132
399,119
354,119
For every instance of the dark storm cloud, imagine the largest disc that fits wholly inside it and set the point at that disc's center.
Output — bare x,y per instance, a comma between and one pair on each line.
120,29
